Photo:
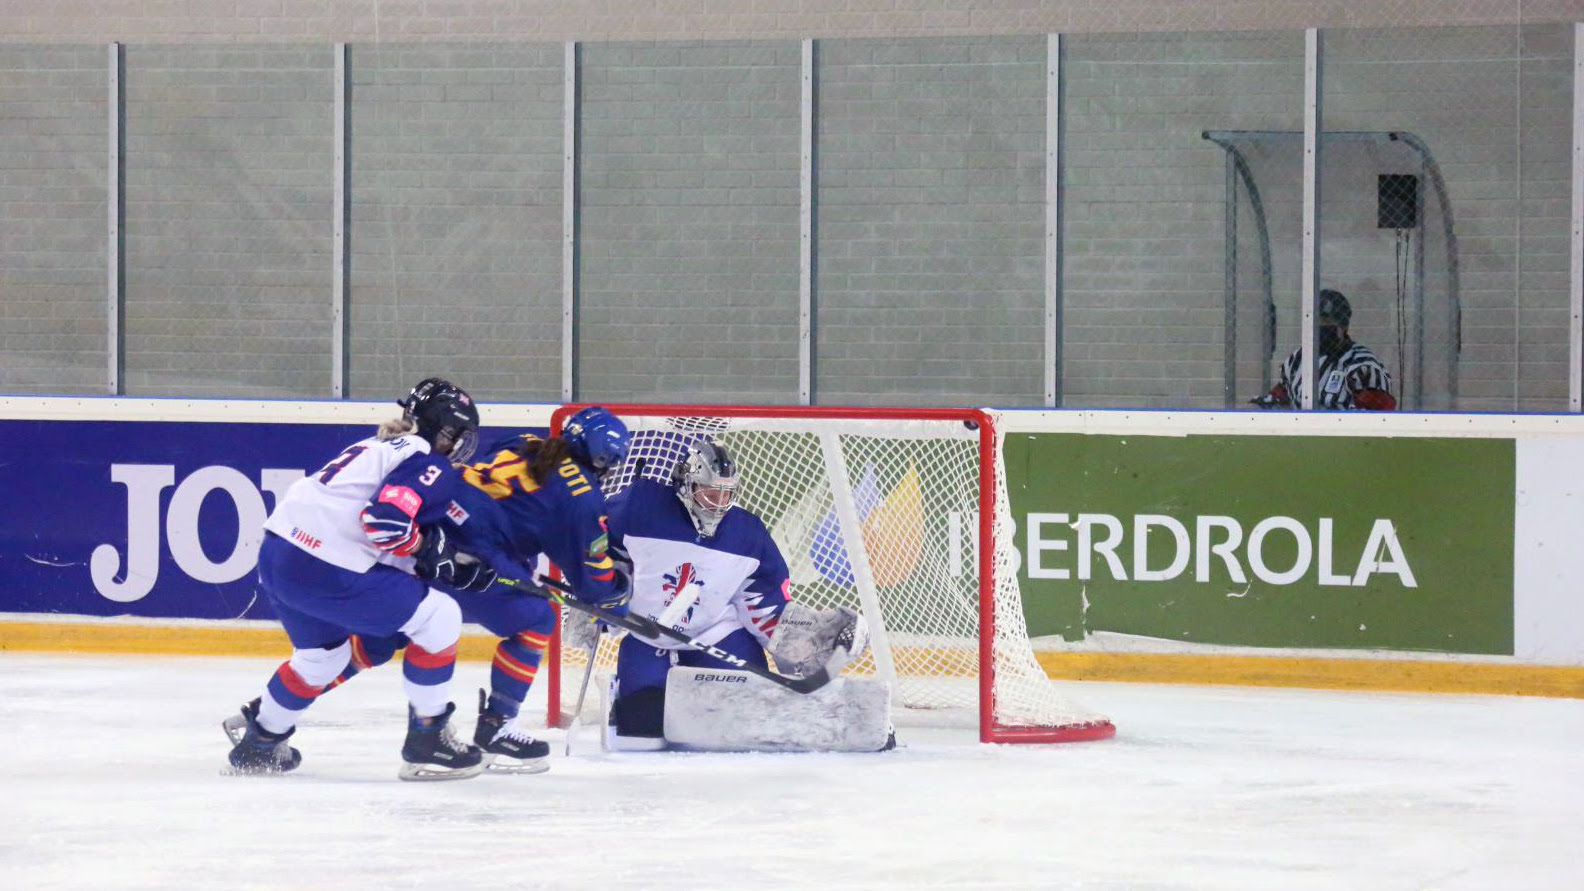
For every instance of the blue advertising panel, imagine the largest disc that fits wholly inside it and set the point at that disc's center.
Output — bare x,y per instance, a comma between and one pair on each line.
148,518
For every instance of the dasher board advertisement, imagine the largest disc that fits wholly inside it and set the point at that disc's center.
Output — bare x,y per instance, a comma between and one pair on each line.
1400,543
149,518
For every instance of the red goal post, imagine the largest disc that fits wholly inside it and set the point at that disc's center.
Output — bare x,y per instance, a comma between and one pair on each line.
872,508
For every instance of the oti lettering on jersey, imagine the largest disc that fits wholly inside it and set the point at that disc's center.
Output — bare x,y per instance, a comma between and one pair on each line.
576,482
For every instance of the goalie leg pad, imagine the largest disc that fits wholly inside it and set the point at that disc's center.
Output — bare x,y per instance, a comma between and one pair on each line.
725,710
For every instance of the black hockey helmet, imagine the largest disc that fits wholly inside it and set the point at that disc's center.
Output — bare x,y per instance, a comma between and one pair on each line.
445,416
1334,306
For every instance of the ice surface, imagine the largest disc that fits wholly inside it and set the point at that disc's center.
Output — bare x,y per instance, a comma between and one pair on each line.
112,781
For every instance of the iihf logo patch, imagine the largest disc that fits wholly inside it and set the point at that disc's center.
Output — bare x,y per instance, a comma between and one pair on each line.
456,513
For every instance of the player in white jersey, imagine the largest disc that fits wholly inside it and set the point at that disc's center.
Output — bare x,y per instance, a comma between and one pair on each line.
707,567
337,558
1350,376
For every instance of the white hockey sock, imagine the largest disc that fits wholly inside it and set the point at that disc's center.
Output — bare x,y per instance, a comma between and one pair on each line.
434,630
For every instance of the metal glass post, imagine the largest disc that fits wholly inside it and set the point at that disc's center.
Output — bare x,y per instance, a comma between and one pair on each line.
1576,302
1053,221
569,220
339,328
806,231
1311,211
114,238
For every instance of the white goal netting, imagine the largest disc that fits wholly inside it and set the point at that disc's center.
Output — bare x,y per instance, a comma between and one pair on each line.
882,514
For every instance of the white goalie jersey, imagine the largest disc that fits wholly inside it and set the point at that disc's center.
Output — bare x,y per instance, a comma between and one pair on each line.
704,587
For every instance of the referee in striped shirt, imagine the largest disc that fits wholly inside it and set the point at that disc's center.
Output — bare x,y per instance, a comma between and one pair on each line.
1350,376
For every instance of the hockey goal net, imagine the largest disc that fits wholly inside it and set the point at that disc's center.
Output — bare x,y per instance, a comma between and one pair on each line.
901,514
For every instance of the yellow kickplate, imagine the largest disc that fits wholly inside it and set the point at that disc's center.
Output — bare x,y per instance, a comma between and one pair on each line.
176,640
1427,675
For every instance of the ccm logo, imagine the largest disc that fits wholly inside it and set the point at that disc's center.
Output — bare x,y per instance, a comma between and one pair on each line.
723,680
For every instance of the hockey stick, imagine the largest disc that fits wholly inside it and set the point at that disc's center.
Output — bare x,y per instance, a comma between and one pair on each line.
588,672
645,627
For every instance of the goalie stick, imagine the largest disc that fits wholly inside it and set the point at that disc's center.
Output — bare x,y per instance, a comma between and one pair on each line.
645,627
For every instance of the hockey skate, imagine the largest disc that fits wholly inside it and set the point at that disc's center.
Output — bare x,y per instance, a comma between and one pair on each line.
507,749
432,751
256,751
235,727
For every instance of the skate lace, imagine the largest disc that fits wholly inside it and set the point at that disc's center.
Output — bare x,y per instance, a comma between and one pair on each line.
448,739
515,735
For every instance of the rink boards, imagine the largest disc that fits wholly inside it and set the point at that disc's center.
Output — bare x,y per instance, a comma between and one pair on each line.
1399,551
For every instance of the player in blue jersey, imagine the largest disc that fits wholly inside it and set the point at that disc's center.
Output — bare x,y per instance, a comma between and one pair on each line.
528,496
335,561
707,567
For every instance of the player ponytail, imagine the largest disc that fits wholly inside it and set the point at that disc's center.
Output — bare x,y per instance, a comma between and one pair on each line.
395,427
542,455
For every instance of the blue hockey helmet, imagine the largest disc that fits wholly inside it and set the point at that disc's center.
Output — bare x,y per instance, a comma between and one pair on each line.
596,438
445,416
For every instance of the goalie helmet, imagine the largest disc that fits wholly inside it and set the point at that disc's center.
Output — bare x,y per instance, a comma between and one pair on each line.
597,438
704,480
445,416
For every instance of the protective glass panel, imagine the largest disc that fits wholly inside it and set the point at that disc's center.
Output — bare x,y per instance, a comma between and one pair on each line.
689,195
931,206
53,318
1443,210
1175,232
229,160
456,218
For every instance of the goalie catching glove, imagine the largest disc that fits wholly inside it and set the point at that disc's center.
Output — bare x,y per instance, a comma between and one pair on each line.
807,640
439,560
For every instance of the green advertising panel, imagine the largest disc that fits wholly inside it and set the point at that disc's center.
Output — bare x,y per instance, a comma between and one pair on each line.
1273,541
